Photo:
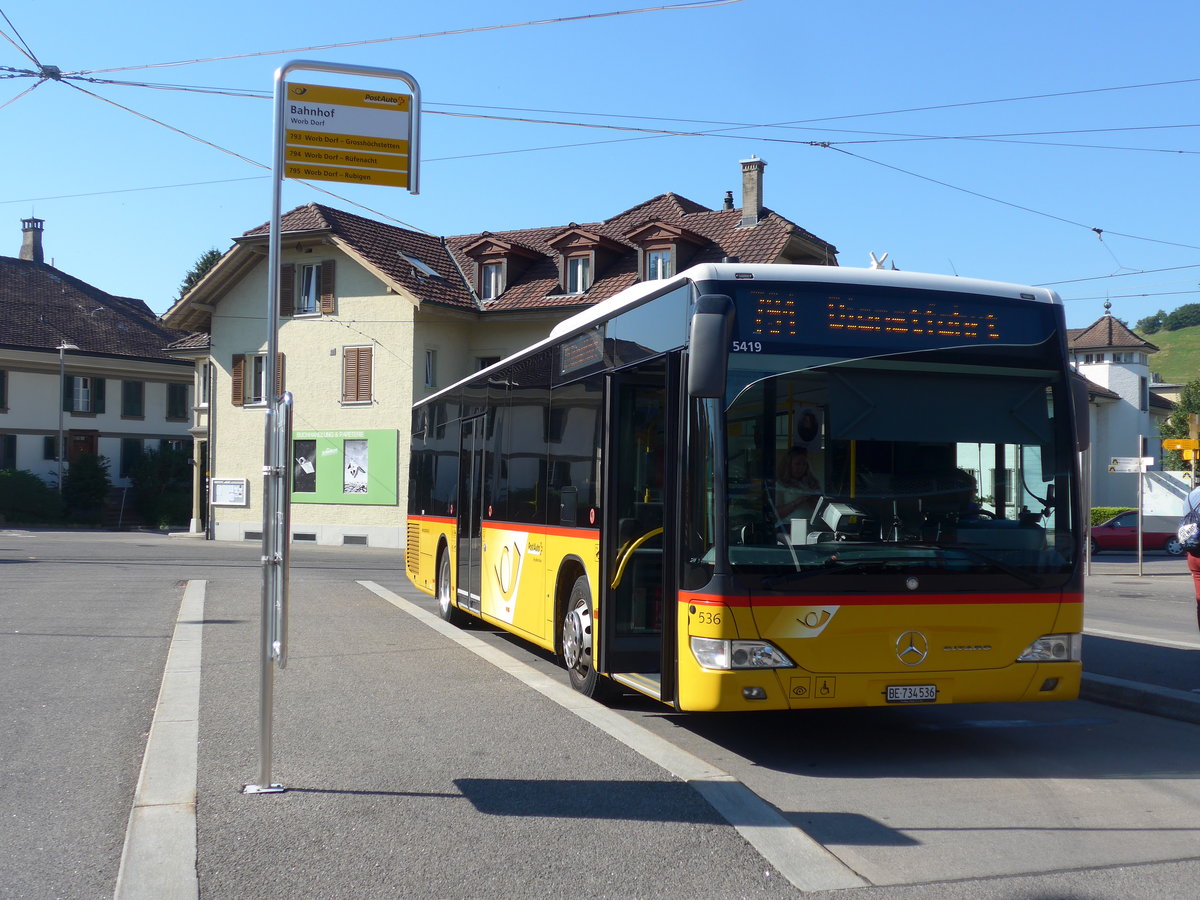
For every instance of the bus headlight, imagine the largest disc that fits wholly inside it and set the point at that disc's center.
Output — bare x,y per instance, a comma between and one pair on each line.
712,653
1054,648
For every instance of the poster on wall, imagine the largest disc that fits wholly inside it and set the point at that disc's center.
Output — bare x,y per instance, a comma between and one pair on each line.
355,473
345,467
304,467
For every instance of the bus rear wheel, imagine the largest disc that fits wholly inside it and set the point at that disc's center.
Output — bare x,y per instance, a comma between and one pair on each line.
446,608
577,642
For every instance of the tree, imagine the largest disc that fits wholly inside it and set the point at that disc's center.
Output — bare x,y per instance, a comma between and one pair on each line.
1176,424
85,488
207,260
163,487
1151,324
1183,317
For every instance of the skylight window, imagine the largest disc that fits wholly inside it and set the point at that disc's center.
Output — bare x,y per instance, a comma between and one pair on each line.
423,269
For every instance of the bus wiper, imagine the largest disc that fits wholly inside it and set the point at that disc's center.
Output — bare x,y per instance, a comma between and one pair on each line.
974,554
831,566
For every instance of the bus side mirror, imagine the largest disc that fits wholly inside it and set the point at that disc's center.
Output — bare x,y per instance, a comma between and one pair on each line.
1083,428
708,346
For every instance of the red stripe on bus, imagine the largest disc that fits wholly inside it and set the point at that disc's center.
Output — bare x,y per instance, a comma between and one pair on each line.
547,530
878,599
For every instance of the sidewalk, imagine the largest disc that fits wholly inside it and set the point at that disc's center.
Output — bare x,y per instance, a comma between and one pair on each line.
414,767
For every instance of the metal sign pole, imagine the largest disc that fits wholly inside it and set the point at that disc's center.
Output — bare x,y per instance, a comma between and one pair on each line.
276,534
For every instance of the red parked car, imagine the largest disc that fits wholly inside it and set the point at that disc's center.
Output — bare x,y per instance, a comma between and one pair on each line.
1120,533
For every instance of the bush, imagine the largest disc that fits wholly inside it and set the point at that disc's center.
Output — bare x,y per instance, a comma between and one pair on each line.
1101,514
85,489
27,500
162,482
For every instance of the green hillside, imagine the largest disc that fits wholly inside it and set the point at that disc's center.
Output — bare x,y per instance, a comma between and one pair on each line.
1178,356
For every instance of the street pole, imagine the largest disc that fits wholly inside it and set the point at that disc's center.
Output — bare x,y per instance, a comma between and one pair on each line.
63,347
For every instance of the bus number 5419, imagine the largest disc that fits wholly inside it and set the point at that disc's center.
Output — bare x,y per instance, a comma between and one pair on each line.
747,347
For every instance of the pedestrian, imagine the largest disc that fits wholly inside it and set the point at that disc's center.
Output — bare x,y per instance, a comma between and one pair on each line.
1193,559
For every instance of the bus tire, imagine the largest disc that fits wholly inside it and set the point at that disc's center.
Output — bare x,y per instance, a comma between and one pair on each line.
446,608
577,643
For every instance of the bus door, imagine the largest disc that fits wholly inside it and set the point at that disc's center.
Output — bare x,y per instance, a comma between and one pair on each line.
470,509
640,531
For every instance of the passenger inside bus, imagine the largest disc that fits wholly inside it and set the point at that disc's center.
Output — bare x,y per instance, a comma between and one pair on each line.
797,488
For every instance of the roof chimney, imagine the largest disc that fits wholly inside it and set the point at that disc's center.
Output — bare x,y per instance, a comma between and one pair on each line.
31,240
728,200
752,191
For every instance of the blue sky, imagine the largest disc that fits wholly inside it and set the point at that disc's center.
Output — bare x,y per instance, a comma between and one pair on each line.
920,164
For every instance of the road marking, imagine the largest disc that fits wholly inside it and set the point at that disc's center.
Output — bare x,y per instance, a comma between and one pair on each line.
159,858
804,862
1143,639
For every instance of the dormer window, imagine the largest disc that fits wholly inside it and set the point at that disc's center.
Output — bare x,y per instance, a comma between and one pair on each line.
579,274
491,280
658,264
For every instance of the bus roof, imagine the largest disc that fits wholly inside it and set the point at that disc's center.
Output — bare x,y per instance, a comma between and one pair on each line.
808,274
646,290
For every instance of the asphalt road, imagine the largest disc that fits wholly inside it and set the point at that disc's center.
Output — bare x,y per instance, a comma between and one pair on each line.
426,763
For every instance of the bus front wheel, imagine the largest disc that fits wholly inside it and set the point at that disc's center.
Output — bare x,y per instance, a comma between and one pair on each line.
577,643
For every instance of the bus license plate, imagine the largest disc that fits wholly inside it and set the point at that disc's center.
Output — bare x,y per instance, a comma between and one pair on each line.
911,693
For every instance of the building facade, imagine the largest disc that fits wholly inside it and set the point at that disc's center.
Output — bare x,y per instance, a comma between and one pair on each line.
82,369
1125,415
374,317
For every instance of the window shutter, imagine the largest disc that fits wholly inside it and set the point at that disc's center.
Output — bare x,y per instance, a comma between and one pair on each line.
279,388
287,290
327,287
238,392
356,375
97,395
349,374
68,387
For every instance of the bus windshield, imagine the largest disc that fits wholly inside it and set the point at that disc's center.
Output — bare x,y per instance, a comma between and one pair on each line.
912,465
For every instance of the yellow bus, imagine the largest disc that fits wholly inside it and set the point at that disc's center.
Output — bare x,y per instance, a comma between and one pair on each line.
771,487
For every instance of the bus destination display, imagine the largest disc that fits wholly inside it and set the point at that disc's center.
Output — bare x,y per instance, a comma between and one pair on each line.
772,318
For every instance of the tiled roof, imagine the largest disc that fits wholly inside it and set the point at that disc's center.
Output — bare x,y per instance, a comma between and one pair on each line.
381,245
535,278
42,307
197,340
1106,332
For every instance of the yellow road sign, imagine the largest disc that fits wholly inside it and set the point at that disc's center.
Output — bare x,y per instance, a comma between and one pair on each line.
1181,444
347,134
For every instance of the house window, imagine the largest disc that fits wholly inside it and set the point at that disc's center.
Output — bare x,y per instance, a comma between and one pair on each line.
50,447
256,384
248,379
205,371
309,293
1143,394
658,264
491,278
132,449
484,361
177,405
3,391
430,368
133,399
356,374
8,451
578,274
83,394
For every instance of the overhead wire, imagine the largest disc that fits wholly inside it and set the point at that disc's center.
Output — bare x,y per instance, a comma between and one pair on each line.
694,4
643,133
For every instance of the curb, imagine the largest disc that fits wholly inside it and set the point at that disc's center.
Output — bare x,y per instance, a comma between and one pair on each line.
1147,698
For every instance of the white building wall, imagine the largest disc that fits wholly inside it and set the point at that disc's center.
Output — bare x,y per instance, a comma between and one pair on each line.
35,401
1116,427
